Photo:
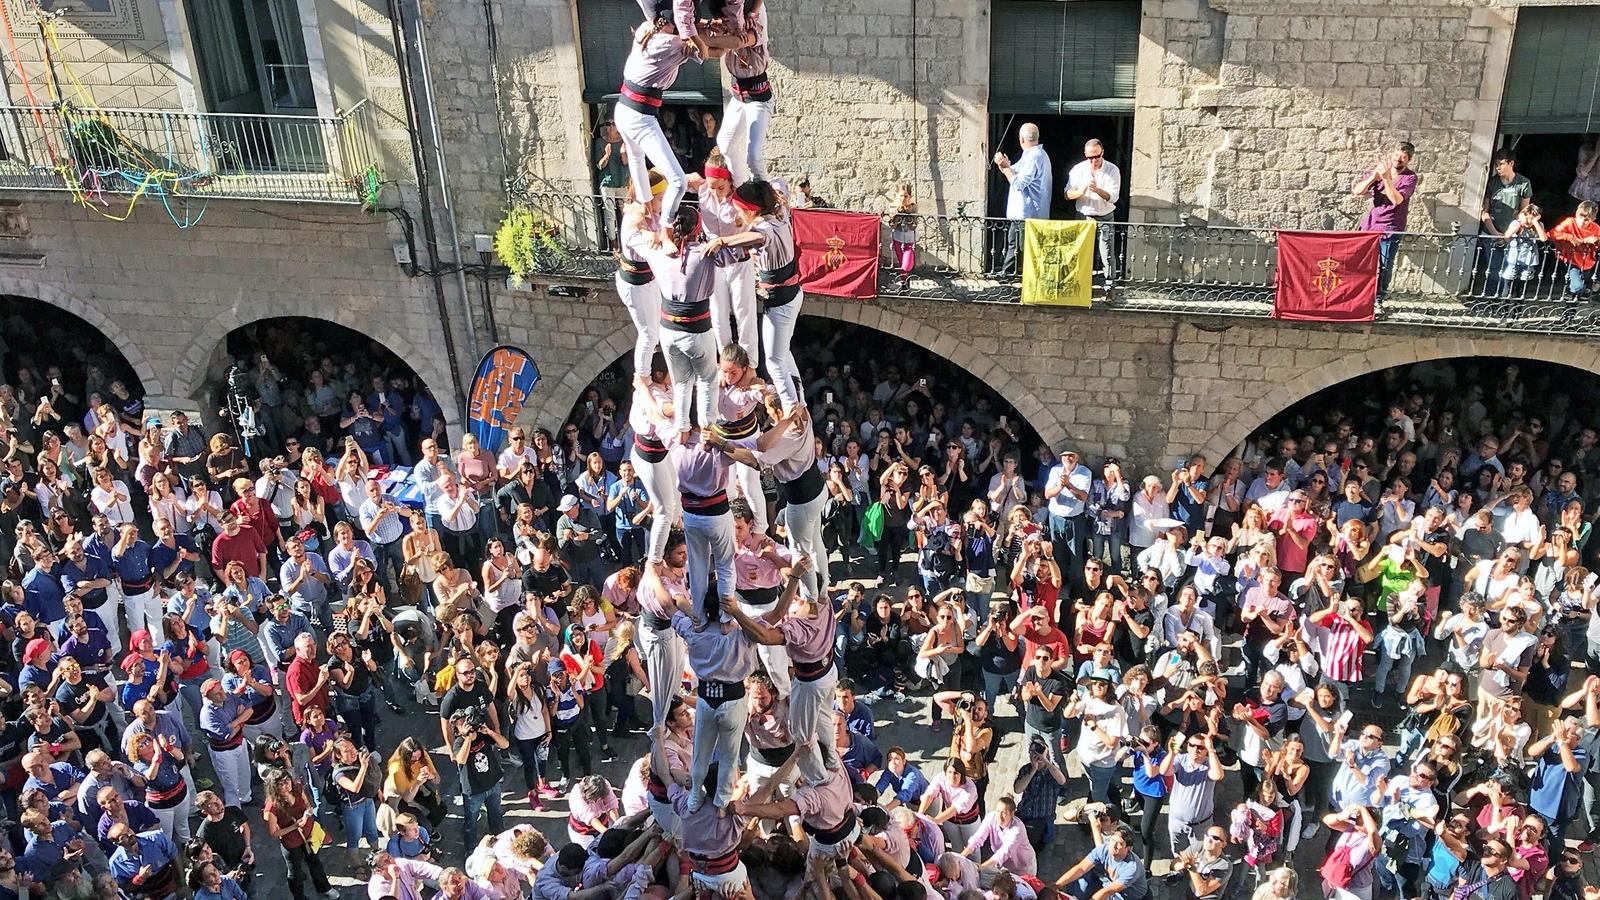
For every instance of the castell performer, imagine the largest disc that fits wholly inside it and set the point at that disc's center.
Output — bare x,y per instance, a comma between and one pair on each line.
759,564
790,449
805,628
661,586
771,239
658,52
684,267
650,418
825,805
743,135
636,284
735,293
707,521
739,393
711,836
722,657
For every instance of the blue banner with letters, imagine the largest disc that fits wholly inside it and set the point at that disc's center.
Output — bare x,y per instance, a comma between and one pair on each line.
505,378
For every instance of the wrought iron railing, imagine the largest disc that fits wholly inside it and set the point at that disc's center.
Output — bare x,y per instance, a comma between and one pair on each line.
164,153
1436,279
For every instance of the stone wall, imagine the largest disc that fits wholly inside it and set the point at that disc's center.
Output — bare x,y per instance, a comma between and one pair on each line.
1263,112
1148,388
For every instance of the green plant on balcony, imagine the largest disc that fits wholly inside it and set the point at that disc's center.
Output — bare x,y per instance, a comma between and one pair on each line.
526,242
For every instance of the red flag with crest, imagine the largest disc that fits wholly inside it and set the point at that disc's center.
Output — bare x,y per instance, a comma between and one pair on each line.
1327,276
838,252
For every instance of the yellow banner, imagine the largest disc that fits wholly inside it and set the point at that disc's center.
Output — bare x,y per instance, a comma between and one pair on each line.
1057,262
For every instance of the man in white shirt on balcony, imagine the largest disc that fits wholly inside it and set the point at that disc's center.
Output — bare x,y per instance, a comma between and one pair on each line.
1095,184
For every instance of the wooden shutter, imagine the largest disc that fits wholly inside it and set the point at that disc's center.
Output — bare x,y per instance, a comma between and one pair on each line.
1049,56
605,32
1552,81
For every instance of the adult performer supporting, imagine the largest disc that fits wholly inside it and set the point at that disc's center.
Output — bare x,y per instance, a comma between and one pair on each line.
739,393
824,804
723,657
650,417
791,450
707,521
636,284
759,564
804,627
662,585
685,272
743,136
771,239
735,293
657,53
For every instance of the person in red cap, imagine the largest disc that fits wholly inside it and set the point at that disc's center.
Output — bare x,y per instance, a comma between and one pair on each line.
222,719
35,654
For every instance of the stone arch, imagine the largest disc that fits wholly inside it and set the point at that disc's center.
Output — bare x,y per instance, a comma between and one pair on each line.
1396,352
559,395
190,373
54,295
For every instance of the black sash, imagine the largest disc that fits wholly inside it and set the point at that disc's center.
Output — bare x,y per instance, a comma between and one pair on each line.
717,693
771,287
811,671
705,505
759,596
752,89
650,449
641,99
775,757
692,316
831,835
804,489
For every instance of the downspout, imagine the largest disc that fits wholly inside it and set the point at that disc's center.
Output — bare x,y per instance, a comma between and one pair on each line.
430,239
446,196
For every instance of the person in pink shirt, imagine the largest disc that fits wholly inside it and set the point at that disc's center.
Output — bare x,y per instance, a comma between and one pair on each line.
760,565
660,588
734,297
707,519
592,808
957,798
650,417
739,392
789,448
825,806
1006,840
766,729
1295,526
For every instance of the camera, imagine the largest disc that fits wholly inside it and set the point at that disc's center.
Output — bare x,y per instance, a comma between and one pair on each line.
472,717
964,704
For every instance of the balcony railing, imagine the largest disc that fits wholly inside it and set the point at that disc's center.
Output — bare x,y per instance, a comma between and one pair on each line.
161,153
1446,280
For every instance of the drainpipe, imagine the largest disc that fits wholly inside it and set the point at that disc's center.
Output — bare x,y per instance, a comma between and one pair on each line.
424,191
446,196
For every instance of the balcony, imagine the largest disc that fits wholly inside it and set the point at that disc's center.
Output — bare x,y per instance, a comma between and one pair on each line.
166,154
1439,280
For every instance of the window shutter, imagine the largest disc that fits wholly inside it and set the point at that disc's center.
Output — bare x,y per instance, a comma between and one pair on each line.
1551,82
1048,56
605,34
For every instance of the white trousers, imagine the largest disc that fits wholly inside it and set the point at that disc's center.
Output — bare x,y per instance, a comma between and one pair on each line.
644,308
811,721
777,330
735,295
747,483
804,524
661,483
664,654
710,542
143,611
233,774
175,819
647,145
774,659
743,137
718,732
692,361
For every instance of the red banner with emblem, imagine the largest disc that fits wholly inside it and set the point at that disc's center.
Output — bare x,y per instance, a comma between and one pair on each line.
838,252
1327,276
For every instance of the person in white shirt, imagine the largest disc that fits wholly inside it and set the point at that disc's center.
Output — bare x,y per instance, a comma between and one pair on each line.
1149,504
1520,526
1096,185
110,498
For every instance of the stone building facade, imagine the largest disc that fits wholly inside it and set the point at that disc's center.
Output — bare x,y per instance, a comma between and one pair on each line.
1244,112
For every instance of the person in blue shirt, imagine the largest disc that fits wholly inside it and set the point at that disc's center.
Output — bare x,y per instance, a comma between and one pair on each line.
857,714
902,779
1557,784
1028,197
628,500
279,631
42,591
1067,493
53,847
54,779
384,520
143,863
410,839
1111,871
192,603
172,554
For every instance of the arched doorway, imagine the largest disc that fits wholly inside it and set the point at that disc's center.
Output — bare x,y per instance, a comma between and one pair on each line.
308,376
48,352
1483,426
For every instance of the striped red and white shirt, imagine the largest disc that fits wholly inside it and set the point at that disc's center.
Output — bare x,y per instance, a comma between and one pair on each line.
1342,650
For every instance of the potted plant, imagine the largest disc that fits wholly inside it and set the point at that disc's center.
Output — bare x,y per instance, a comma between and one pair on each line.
526,242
